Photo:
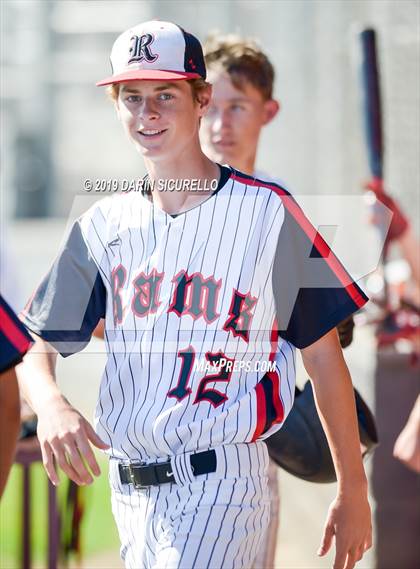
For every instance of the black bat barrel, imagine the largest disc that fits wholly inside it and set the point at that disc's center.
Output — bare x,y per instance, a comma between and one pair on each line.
372,102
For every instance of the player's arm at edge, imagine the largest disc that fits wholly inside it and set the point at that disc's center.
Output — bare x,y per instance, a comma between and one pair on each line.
64,434
9,422
349,517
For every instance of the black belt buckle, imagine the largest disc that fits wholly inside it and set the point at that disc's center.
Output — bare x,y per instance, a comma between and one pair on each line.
144,476
132,471
128,474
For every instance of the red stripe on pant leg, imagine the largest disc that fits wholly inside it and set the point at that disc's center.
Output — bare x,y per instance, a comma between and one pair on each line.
13,333
261,411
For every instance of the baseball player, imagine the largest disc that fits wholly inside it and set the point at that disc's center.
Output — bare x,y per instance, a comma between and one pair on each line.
14,343
197,276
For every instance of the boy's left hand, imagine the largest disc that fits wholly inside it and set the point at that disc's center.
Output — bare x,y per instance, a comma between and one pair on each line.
349,520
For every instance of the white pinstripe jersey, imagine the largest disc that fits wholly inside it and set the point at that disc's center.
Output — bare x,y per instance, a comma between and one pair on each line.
179,290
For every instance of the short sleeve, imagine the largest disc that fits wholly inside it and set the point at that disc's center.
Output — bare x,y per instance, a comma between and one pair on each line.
313,292
71,298
14,338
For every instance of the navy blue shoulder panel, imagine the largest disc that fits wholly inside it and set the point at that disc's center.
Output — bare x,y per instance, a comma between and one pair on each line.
310,295
70,300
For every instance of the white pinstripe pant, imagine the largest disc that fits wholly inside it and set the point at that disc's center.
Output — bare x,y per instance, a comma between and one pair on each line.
266,554
216,521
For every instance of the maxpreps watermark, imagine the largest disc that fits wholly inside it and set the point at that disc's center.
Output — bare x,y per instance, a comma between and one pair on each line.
114,185
229,366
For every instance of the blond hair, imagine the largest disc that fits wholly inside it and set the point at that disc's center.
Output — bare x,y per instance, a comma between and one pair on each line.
243,60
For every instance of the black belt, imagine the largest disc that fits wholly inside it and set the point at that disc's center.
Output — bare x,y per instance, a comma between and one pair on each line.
160,473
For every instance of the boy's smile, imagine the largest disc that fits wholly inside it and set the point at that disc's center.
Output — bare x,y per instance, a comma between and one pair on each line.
161,118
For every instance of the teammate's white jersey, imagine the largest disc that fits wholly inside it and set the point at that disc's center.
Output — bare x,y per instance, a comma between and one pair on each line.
180,290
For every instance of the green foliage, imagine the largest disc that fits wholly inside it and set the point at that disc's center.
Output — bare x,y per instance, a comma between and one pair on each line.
98,526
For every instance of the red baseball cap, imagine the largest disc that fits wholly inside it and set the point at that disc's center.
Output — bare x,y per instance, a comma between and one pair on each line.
157,51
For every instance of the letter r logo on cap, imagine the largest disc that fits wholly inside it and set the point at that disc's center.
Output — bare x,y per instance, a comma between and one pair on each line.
140,49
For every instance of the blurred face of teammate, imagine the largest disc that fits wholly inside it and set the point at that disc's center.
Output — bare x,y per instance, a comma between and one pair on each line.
160,118
231,128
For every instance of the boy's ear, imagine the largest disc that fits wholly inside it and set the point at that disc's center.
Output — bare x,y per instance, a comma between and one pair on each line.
204,99
271,108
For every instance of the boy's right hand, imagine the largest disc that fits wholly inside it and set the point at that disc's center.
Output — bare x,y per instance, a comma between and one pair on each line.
65,437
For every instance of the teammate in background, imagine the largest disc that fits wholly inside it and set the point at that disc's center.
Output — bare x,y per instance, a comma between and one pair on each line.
242,102
185,277
14,343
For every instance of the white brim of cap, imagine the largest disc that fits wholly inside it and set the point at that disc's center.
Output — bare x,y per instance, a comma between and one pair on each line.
147,75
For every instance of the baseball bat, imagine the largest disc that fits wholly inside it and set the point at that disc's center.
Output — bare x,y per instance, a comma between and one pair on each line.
373,125
372,107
